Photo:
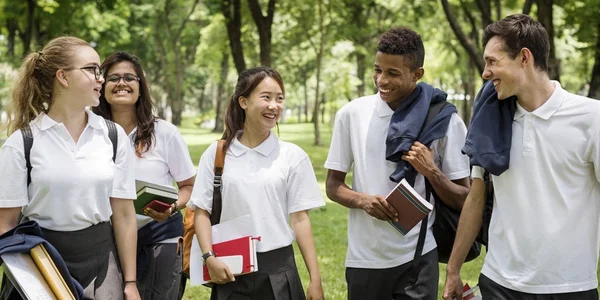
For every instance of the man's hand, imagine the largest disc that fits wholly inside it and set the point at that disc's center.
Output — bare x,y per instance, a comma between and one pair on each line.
421,158
379,208
453,288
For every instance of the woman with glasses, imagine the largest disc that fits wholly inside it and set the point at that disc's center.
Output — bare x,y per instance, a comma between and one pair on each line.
162,157
79,194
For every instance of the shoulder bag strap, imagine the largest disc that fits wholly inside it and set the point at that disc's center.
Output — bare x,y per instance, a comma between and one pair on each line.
113,136
27,144
215,216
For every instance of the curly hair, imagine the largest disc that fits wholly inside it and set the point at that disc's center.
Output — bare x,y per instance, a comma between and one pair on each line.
403,41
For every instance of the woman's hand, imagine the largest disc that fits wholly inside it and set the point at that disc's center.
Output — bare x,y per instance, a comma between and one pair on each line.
219,271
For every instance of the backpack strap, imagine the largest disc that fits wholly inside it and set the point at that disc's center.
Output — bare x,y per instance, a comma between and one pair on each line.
113,136
27,144
215,216
434,110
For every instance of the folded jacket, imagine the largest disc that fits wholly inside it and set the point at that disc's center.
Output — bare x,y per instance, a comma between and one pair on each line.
490,133
406,127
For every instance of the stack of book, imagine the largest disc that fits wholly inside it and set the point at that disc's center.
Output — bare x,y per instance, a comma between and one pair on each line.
35,275
156,196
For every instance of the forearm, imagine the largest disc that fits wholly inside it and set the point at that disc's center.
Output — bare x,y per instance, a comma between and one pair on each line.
125,228
450,192
468,226
344,195
185,191
9,217
203,229
300,223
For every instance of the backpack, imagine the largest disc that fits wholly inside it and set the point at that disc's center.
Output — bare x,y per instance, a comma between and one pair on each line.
215,216
28,143
446,220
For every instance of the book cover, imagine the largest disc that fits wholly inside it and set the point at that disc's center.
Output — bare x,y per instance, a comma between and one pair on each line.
23,273
410,206
243,247
48,269
148,192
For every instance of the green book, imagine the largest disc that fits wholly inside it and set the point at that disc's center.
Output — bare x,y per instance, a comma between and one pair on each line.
147,192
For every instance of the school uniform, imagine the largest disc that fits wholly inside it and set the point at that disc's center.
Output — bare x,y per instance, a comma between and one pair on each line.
71,184
378,260
269,182
168,160
544,230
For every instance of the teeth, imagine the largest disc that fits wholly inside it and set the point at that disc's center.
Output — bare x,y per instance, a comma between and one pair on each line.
270,116
384,91
122,92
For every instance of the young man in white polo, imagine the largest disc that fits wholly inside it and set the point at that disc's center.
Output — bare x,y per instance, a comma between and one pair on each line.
378,262
544,230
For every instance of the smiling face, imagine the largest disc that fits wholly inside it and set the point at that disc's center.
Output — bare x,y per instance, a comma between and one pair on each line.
80,79
264,106
506,73
394,79
122,86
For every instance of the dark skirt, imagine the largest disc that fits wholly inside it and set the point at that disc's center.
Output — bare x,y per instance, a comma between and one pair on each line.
276,279
91,256
162,276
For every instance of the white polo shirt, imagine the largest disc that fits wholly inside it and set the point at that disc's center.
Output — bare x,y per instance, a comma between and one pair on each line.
70,182
167,161
544,234
358,144
269,182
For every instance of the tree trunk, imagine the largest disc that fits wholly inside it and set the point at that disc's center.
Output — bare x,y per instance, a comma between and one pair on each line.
320,52
544,11
12,26
527,6
177,103
233,21
27,35
323,101
263,23
221,94
469,90
305,84
595,80
360,73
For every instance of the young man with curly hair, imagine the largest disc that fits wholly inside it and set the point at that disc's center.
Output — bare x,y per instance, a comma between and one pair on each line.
381,138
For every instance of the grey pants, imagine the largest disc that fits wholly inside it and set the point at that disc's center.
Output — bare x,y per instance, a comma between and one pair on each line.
162,275
91,257
395,283
493,291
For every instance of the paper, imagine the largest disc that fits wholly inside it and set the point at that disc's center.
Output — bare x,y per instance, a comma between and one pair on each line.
23,270
228,230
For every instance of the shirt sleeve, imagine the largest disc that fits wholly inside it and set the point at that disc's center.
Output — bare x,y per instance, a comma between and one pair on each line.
303,192
13,173
340,156
454,164
594,153
478,172
124,176
178,158
202,193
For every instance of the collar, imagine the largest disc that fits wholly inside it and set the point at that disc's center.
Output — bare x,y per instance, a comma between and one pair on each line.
44,122
383,109
548,108
265,148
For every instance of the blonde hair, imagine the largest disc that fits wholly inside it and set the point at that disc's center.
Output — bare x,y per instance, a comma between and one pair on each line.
33,89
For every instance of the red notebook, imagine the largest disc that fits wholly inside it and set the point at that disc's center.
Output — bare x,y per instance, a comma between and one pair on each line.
244,247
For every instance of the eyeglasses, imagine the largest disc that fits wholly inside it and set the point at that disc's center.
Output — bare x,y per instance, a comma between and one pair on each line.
127,78
95,69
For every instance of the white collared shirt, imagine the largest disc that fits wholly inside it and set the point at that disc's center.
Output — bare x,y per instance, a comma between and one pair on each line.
544,235
168,160
269,182
358,144
70,182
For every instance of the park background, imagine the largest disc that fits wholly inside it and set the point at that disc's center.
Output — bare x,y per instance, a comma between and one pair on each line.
193,50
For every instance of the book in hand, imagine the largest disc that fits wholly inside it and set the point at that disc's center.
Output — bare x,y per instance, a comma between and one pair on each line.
158,206
148,192
230,251
24,275
51,273
471,293
410,206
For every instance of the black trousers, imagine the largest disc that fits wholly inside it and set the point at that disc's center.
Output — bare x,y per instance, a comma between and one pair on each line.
276,279
397,282
493,291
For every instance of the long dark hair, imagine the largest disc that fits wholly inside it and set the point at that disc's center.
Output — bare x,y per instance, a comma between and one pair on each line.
143,107
246,83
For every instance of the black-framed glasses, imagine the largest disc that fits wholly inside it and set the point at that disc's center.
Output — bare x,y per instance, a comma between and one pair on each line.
95,69
127,78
